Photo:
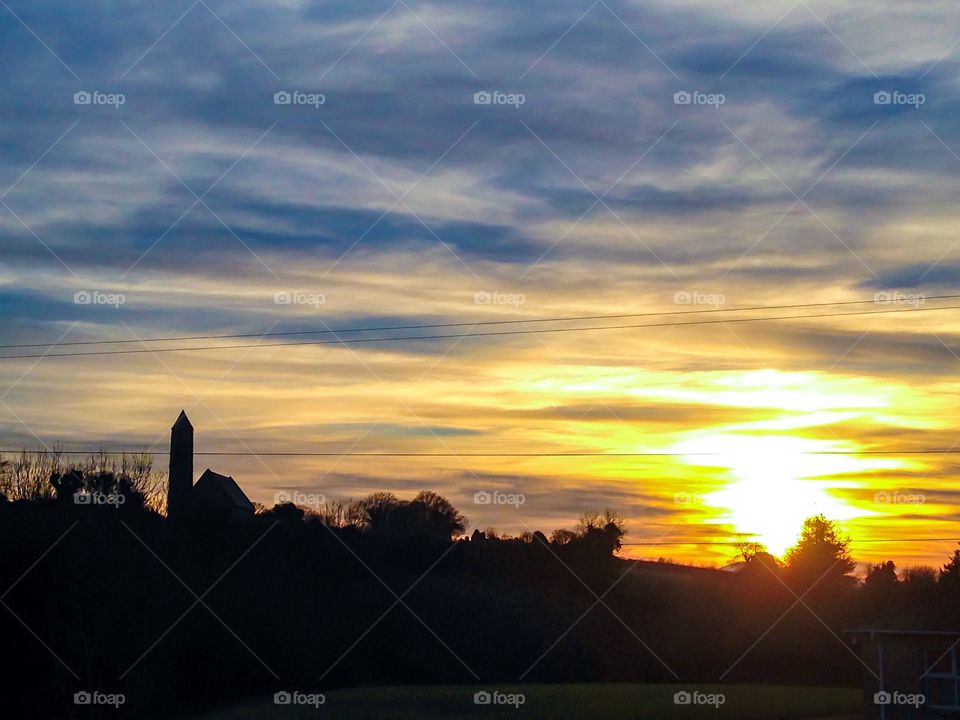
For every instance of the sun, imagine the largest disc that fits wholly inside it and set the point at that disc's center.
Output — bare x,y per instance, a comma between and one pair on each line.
772,511
775,484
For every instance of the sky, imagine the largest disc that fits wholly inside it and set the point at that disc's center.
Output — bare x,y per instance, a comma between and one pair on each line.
203,168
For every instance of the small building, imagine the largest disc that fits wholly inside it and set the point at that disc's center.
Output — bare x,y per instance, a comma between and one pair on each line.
910,669
213,493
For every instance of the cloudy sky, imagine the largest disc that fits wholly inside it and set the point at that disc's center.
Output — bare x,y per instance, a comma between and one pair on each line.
206,168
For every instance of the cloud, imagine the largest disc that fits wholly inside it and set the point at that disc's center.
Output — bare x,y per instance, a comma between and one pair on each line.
919,276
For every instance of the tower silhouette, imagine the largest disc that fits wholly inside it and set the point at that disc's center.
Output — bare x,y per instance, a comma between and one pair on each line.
181,467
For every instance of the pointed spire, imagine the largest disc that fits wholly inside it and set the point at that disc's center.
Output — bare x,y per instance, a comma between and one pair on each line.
182,421
180,478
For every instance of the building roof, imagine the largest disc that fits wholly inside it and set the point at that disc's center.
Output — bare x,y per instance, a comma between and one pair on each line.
221,489
890,631
917,619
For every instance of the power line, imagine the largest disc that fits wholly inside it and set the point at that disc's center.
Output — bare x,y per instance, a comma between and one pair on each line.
475,335
736,543
386,328
252,453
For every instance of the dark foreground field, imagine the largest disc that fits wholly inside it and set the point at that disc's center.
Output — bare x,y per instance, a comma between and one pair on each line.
571,702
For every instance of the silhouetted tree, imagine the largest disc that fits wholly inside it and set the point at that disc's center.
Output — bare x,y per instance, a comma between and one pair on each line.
286,513
72,485
428,517
4,479
880,587
377,511
919,581
340,514
881,576
821,552
67,484
763,565
950,572
439,517
746,550
601,533
28,476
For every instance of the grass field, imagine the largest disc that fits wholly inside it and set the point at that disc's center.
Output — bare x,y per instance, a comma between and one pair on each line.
571,702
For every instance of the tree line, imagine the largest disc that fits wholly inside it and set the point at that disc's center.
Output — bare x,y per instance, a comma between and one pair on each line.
383,590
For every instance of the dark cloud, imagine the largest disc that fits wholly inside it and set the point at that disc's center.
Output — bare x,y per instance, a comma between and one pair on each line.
919,276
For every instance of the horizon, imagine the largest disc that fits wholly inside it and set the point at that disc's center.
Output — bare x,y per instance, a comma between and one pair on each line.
505,505
206,170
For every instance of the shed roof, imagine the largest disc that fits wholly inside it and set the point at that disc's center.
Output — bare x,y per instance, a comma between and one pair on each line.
919,619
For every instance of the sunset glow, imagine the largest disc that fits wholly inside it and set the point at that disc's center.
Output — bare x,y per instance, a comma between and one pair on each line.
480,359
405,200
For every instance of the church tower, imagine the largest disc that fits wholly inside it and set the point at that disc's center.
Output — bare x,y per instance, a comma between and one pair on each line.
181,467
